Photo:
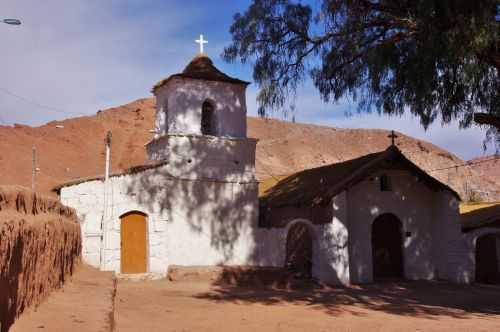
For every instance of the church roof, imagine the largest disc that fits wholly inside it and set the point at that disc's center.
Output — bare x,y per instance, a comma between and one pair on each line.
131,170
488,216
319,185
201,68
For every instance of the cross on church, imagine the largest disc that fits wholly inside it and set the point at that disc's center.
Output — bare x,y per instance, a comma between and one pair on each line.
393,136
201,41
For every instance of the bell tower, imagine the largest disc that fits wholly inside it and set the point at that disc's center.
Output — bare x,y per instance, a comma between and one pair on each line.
200,126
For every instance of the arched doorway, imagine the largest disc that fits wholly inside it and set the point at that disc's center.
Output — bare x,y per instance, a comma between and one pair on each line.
299,250
488,259
387,247
133,254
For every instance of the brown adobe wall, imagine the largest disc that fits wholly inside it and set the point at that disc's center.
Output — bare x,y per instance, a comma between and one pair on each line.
40,245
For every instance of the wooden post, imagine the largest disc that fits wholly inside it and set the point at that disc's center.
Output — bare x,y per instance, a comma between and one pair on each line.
33,169
104,237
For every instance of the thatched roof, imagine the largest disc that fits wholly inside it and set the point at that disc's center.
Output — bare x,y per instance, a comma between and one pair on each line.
319,185
131,170
201,68
483,217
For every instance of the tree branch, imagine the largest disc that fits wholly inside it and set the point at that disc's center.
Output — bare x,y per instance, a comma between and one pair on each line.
487,119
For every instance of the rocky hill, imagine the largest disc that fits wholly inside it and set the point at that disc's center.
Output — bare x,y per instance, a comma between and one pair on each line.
487,167
74,148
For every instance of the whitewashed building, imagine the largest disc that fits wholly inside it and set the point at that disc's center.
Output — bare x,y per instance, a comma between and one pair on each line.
197,203
377,216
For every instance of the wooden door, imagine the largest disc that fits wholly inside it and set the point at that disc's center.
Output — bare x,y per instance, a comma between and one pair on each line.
133,243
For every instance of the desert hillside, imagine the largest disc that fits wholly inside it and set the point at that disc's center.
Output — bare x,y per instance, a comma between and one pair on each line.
487,167
74,148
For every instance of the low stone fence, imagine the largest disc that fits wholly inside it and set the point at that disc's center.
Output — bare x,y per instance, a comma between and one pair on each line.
40,245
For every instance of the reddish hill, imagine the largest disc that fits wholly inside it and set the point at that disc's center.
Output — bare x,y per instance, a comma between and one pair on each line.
487,167
77,150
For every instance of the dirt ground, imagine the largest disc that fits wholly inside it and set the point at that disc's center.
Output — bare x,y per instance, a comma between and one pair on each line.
88,303
84,304
413,306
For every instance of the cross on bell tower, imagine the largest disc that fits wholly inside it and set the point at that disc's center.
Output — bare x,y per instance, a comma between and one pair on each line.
201,41
393,137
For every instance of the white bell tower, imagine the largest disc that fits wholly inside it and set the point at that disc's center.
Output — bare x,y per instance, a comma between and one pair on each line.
200,123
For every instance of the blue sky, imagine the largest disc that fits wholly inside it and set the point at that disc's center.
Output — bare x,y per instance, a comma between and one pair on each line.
76,57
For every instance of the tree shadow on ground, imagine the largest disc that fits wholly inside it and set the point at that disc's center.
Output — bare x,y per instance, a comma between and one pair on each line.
425,299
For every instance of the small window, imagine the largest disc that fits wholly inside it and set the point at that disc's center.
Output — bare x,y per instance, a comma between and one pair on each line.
385,183
207,119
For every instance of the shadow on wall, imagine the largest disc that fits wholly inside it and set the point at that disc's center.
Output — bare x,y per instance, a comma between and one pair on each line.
426,299
207,183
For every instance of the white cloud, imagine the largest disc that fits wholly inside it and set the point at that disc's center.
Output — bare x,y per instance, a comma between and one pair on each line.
80,56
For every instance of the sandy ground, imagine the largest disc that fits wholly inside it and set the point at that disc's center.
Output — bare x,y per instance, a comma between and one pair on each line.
416,306
86,304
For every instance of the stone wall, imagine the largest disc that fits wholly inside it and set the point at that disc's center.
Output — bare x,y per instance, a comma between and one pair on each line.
40,245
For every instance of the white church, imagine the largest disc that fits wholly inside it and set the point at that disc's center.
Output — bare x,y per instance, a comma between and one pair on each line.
197,202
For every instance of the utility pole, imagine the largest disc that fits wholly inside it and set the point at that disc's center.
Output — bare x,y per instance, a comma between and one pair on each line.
33,169
104,236
107,141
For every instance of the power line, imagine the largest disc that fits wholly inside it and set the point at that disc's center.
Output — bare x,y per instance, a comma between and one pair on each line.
496,157
29,101
466,164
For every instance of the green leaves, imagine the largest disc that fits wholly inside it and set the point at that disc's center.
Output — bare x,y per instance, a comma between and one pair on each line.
433,58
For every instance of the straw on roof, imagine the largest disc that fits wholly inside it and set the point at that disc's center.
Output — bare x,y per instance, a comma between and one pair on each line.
318,185
201,68
484,217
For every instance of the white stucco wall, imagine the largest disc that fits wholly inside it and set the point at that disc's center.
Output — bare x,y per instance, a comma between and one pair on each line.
189,222
413,203
182,98
208,157
451,247
329,250
469,274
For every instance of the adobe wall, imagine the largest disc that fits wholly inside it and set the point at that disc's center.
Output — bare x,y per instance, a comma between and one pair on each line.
206,157
433,246
471,238
330,256
40,246
189,221
182,99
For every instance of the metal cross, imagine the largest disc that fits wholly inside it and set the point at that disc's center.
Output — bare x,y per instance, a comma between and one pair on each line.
393,136
201,41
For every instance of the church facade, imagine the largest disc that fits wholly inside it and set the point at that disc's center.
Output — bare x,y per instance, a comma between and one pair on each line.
197,204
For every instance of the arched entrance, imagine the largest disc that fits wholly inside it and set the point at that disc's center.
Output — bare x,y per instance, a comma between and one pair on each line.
488,259
299,250
133,243
387,247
